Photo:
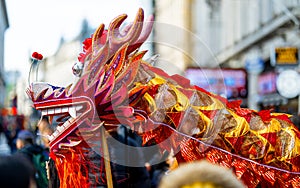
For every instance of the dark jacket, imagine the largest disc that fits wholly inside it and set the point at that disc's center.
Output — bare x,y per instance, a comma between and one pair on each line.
30,150
38,156
128,161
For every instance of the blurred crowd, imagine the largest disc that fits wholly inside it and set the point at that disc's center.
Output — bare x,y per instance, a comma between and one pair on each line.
24,152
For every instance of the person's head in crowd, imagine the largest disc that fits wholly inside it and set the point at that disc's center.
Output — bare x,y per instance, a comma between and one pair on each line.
200,174
45,129
24,138
16,172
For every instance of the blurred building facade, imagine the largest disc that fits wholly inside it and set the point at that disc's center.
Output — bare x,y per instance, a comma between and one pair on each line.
57,69
228,29
227,34
4,24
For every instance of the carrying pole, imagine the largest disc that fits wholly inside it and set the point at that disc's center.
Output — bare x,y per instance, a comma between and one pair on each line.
106,158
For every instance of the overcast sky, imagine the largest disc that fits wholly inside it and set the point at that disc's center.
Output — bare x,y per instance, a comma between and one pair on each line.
38,25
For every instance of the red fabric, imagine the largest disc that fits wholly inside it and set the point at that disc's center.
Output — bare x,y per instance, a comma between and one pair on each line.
265,115
87,43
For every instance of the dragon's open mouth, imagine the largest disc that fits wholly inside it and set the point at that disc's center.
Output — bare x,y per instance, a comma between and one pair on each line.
67,110
64,118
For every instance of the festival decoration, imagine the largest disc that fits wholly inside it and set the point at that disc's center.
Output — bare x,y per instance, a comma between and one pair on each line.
116,86
37,56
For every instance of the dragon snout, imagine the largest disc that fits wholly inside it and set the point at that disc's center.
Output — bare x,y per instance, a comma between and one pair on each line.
40,90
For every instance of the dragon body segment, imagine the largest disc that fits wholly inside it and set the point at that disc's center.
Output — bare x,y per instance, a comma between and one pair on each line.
116,86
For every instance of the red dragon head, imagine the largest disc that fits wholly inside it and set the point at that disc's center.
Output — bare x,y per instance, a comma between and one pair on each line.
89,101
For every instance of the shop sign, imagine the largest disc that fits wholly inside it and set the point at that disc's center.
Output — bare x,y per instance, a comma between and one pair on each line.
286,56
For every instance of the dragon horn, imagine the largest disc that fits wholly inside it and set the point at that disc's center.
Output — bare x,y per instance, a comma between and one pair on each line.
130,34
96,45
144,34
134,34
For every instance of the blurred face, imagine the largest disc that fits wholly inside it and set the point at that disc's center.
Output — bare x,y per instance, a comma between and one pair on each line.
45,129
20,144
42,125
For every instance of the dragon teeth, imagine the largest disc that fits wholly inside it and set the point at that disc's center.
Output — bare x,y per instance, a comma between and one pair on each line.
60,128
66,124
50,138
72,112
79,107
70,120
64,109
55,133
50,111
57,110
44,112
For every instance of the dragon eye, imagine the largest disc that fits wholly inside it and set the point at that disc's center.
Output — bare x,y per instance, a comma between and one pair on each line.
77,69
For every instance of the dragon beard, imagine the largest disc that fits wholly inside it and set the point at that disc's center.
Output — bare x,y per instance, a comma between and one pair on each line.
116,86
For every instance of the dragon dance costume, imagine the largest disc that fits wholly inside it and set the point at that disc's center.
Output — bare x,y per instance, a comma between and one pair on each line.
116,86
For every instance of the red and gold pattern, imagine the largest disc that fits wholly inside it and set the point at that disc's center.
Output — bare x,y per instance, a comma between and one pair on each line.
117,87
